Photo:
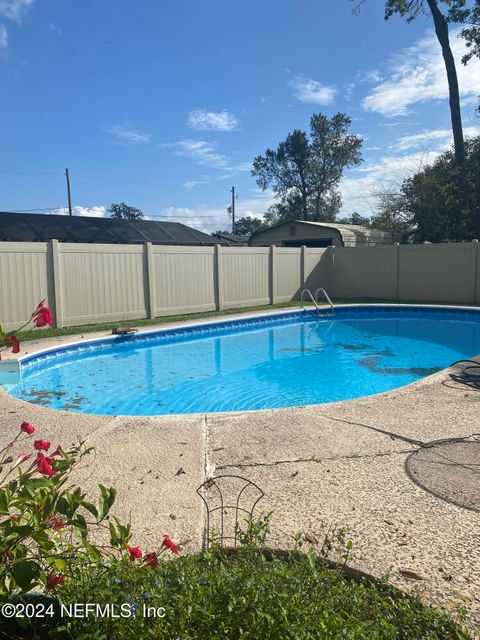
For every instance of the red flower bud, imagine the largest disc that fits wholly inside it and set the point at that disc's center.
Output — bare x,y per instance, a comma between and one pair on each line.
12,341
53,581
27,428
55,523
42,316
134,553
169,544
151,559
43,465
41,444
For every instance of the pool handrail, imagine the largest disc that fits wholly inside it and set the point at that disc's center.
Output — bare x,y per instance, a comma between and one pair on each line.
310,295
327,297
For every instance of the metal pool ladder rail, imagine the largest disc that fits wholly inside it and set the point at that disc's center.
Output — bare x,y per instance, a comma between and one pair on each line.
314,298
327,297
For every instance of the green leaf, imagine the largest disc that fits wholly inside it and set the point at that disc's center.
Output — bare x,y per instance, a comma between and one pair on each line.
3,503
63,506
91,508
60,563
107,498
25,572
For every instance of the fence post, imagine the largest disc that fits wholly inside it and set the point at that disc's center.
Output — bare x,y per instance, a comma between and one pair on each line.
150,275
217,277
303,265
331,270
475,275
271,274
57,283
397,270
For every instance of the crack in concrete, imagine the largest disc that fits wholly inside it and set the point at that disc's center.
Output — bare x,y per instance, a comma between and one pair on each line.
392,434
315,459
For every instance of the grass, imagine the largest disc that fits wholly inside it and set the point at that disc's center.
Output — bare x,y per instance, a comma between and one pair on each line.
251,595
37,334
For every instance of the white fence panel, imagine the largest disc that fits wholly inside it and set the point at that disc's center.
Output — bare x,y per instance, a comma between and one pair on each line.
287,274
25,279
184,279
365,272
318,269
101,282
438,272
245,276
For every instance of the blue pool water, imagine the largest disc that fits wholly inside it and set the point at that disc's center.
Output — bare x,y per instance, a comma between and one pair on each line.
283,361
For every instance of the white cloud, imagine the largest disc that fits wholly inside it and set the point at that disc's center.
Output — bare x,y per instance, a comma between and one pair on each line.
360,187
15,9
203,120
439,139
201,151
127,135
417,74
3,37
54,29
312,91
209,219
93,212
190,184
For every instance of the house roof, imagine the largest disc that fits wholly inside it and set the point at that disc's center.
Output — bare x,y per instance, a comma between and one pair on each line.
350,233
32,227
232,238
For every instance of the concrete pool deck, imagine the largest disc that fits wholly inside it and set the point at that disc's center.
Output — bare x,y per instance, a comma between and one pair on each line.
341,464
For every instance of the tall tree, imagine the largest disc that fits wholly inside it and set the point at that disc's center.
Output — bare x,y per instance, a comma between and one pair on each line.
457,11
123,212
424,206
411,8
304,172
248,226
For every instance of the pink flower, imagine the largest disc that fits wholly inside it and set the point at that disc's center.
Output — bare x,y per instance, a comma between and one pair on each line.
27,428
151,559
169,544
57,452
53,581
24,456
44,465
42,316
41,444
134,553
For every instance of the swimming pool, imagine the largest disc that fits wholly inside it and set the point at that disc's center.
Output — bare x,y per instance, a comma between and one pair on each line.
279,360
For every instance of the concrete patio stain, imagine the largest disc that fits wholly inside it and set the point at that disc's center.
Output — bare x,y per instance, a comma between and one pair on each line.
339,464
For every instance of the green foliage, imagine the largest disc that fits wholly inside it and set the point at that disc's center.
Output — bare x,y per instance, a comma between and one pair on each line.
250,594
356,218
304,172
248,226
434,204
44,522
123,212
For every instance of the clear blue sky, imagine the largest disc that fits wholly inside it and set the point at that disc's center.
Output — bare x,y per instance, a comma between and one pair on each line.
164,105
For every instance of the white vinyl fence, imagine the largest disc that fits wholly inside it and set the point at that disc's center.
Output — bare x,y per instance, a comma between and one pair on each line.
91,283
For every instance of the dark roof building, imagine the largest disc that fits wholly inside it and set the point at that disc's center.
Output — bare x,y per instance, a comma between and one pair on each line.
231,239
33,227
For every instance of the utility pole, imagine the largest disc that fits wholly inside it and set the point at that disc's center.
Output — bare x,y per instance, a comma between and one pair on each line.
68,193
232,190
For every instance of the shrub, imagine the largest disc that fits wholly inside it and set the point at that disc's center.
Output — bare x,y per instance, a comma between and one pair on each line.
250,594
